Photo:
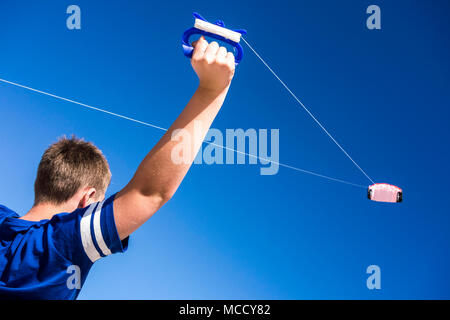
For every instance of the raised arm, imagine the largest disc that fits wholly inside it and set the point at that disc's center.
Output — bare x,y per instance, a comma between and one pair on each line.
158,176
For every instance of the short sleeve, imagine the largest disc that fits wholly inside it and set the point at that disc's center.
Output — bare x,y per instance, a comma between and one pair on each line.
89,232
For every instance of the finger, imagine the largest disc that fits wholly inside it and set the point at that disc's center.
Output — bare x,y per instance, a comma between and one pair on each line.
199,48
211,51
230,60
221,56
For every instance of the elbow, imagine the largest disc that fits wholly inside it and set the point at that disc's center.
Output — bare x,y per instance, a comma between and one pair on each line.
165,196
154,197
157,198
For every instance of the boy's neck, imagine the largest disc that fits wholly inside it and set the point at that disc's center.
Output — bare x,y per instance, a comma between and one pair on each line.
44,211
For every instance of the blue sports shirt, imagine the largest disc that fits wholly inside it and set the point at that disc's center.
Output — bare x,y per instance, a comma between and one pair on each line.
50,259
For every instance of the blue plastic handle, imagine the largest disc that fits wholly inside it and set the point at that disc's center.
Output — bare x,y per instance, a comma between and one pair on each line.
188,48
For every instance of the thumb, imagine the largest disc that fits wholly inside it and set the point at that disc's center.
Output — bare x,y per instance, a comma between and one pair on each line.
201,39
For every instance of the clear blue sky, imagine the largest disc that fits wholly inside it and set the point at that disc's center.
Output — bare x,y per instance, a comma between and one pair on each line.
229,232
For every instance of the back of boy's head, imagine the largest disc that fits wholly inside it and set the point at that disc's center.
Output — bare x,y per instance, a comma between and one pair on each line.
67,166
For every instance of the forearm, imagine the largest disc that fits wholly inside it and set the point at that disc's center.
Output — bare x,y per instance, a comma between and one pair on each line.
158,176
159,173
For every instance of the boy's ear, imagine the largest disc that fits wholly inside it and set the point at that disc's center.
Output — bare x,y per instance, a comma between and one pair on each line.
87,198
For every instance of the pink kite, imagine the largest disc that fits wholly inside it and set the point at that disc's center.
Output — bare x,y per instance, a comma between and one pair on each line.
383,192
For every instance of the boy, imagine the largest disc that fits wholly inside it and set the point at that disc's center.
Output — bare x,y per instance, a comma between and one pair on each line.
71,225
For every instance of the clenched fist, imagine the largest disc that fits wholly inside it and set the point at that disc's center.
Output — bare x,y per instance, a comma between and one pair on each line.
214,65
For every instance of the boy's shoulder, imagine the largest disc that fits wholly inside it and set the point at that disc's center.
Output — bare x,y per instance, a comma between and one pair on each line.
6,212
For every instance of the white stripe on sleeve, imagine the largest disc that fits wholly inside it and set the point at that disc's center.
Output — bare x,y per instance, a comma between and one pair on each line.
98,231
86,238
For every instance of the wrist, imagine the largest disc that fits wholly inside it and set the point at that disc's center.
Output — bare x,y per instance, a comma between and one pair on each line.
212,92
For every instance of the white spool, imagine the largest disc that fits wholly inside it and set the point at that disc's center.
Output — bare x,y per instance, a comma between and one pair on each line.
212,28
